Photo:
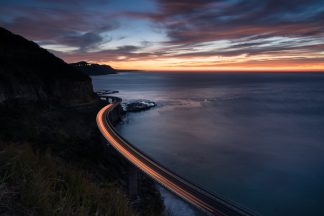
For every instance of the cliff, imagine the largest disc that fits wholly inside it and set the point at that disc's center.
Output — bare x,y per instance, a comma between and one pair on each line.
31,73
53,160
93,69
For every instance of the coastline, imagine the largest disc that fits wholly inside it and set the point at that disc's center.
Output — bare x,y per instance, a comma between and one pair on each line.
173,205
192,193
218,116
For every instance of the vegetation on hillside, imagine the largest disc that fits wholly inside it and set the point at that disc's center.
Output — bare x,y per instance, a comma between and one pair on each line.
40,184
53,162
52,157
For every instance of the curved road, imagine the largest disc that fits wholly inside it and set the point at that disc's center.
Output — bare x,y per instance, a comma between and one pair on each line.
181,187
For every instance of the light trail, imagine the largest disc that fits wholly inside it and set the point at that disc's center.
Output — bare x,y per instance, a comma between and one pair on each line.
184,189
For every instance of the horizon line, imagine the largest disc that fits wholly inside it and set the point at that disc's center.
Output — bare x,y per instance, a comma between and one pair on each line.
226,71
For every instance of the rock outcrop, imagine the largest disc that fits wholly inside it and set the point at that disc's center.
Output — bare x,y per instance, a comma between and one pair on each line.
29,72
139,105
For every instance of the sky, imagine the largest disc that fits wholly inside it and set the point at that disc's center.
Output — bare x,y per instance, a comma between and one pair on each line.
170,35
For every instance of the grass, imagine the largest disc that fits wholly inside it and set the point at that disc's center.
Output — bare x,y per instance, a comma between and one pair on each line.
53,162
34,184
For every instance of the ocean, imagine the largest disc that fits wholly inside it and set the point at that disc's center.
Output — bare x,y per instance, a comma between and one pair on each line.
256,139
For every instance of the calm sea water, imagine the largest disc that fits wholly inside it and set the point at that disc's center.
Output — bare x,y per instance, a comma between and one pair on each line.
254,138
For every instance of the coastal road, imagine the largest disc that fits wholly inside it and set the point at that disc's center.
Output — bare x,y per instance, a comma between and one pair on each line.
191,193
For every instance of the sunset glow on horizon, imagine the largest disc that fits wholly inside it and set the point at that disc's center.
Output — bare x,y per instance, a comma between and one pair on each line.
165,35
199,65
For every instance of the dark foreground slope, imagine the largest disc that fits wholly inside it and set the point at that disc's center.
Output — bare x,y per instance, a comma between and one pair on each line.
52,159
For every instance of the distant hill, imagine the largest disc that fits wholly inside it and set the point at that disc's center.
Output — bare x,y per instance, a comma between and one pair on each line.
93,69
30,72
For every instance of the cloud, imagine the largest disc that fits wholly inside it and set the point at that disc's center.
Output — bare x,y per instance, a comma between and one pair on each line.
126,49
201,31
201,21
59,26
84,41
120,53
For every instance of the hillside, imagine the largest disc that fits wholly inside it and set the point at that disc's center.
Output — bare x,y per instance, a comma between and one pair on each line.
53,160
31,73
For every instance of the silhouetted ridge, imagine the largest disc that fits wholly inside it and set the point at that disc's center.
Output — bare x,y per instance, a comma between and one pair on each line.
32,73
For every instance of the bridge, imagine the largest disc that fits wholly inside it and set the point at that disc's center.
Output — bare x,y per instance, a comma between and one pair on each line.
193,194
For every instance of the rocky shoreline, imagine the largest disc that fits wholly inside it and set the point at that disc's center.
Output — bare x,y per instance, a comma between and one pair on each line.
131,106
139,105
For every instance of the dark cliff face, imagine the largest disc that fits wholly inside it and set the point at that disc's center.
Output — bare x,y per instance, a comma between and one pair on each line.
31,73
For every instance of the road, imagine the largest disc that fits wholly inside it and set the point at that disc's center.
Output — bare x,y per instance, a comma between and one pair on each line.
191,193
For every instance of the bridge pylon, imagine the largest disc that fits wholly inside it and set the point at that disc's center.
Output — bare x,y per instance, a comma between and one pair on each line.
133,177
